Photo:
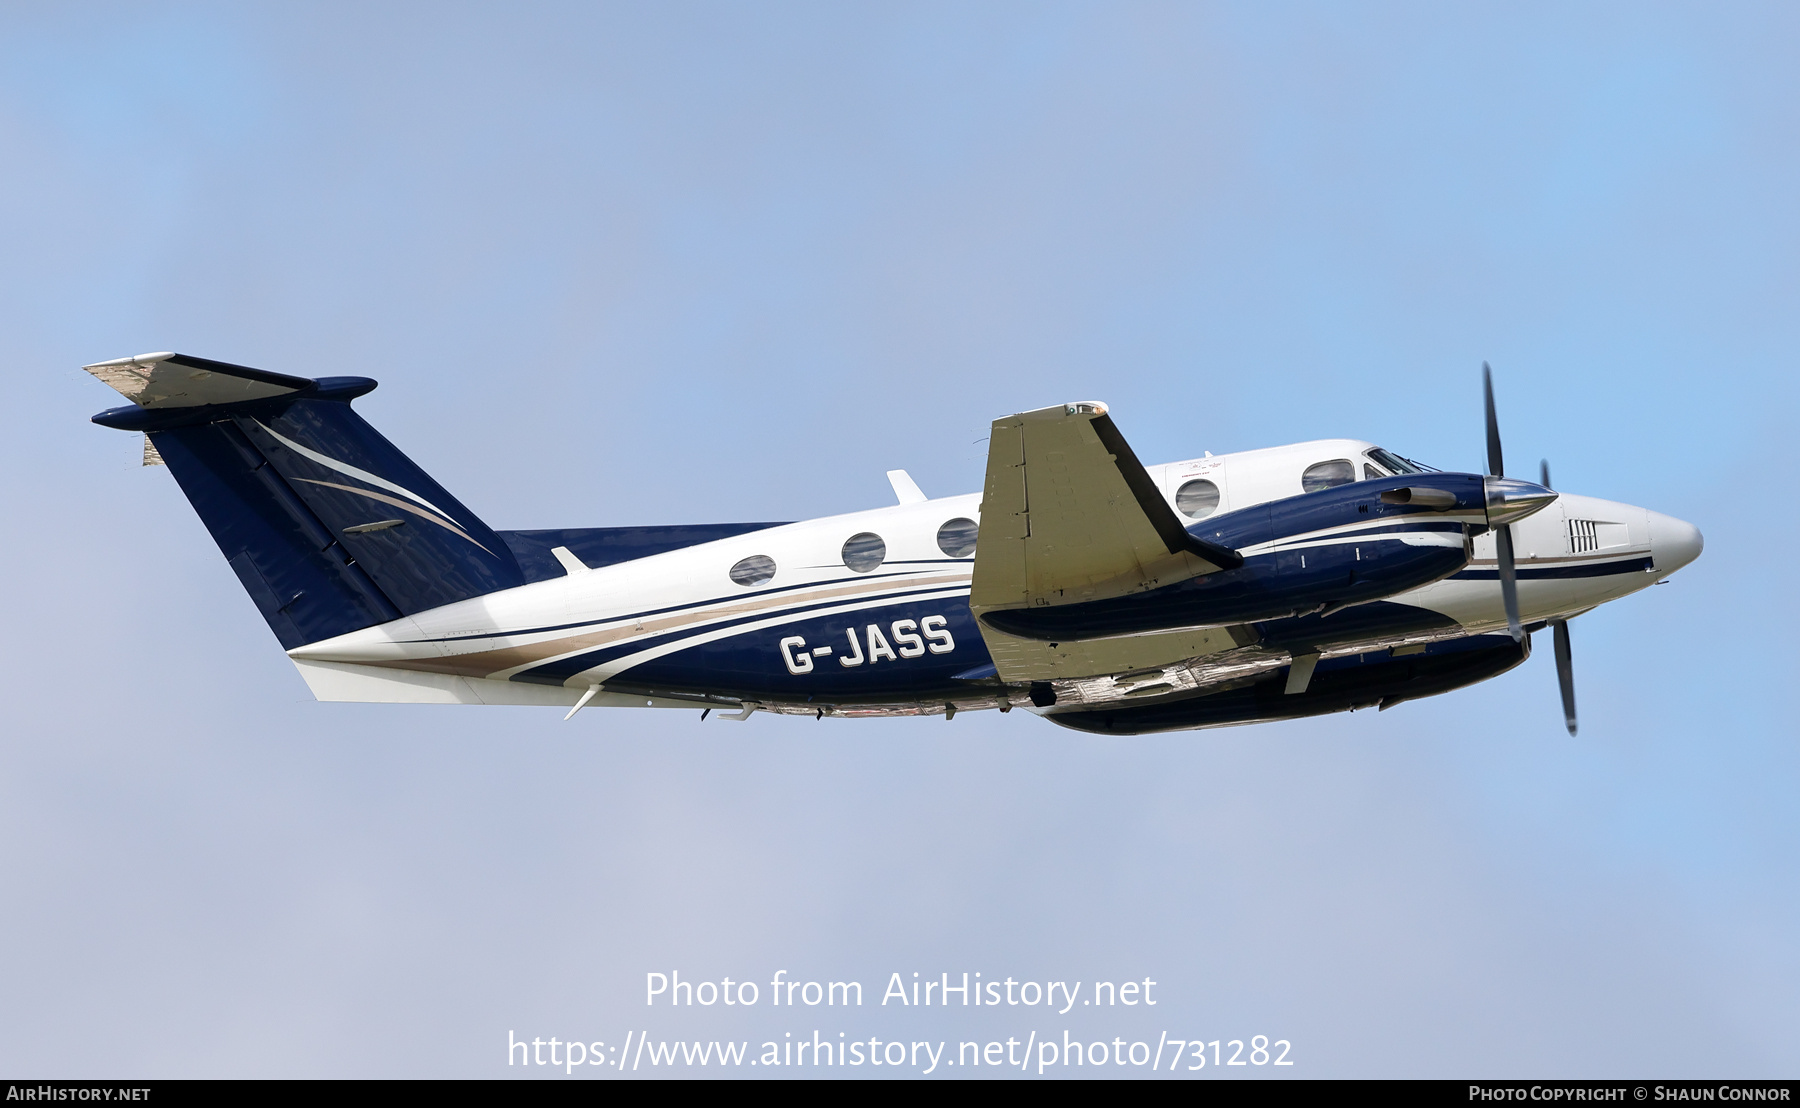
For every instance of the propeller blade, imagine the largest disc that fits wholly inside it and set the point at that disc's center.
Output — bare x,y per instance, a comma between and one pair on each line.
1496,466
1565,672
1509,581
1544,472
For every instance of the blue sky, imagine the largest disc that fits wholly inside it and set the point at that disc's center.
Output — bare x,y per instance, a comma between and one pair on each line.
624,264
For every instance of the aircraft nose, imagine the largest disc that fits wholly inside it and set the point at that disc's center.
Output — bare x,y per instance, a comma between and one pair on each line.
1673,543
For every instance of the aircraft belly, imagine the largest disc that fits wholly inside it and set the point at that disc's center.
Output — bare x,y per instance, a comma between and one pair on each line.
340,681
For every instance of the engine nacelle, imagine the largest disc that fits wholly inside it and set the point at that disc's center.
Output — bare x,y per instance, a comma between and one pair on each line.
1338,685
1317,552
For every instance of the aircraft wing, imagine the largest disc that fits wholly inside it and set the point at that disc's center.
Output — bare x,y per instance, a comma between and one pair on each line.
1069,515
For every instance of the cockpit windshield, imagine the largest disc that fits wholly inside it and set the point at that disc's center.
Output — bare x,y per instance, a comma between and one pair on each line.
1395,464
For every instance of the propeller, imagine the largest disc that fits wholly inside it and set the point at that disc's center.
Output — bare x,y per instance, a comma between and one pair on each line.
1565,671
1503,545
1508,501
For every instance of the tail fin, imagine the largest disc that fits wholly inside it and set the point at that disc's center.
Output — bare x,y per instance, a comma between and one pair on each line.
329,526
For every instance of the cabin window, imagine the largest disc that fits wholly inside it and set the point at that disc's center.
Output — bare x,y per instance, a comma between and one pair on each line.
1370,473
1197,499
957,537
863,552
754,570
1326,475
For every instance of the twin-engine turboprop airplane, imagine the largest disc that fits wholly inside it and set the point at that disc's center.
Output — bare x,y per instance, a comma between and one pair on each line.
1081,585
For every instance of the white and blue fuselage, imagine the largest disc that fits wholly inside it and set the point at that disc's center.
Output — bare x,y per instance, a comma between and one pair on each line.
674,630
1107,595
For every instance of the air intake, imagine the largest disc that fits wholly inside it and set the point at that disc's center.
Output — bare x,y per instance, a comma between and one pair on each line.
1583,536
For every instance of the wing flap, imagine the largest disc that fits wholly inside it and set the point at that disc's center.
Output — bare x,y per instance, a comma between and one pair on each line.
1019,659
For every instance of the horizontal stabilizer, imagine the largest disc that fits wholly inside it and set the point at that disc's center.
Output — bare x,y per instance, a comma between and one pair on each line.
170,380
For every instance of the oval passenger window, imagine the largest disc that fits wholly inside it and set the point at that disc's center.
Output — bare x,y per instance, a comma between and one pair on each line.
864,552
754,570
1197,499
957,537
1327,475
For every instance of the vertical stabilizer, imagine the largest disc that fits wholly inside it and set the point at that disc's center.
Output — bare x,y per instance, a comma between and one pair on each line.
329,527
